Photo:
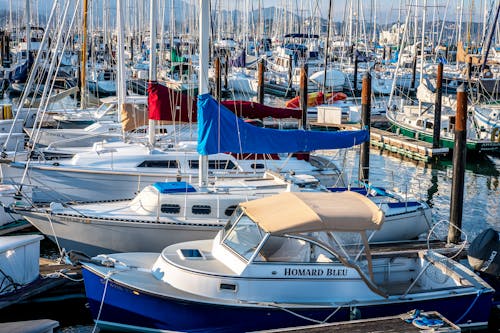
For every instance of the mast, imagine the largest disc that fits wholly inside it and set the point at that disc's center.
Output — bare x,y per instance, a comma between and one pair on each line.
203,77
327,44
83,63
121,57
28,29
374,8
152,60
491,33
424,13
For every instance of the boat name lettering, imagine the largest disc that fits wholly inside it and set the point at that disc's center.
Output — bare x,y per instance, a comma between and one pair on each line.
315,272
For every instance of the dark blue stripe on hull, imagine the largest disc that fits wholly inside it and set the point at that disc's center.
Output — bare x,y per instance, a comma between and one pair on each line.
123,306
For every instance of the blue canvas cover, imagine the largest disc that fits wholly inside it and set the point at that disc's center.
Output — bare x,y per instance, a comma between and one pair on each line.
220,131
173,187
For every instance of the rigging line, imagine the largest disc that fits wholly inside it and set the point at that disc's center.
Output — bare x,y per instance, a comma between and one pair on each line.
51,88
31,77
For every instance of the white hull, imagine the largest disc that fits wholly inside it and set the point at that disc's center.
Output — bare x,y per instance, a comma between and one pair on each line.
49,185
93,236
94,232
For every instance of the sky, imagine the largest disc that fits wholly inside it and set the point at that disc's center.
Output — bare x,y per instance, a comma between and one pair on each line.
387,10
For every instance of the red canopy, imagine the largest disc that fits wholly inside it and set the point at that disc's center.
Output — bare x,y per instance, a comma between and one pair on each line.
168,104
247,109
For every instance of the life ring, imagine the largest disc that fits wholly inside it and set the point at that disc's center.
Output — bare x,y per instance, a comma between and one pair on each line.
495,134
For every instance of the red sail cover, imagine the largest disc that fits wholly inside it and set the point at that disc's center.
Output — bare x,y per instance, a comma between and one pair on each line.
246,109
170,105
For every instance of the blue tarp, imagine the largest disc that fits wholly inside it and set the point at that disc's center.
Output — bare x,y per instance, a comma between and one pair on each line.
220,131
173,187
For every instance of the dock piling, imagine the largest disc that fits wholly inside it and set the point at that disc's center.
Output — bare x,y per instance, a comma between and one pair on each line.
459,155
364,156
355,80
226,71
303,95
260,92
437,107
217,91
413,72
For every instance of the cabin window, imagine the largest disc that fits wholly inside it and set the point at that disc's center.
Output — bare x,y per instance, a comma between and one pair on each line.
169,164
221,165
244,237
234,218
257,166
214,164
429,125
284,249
230,210
170,208
201,209
287,249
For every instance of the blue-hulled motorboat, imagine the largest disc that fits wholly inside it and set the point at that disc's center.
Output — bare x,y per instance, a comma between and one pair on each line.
287,260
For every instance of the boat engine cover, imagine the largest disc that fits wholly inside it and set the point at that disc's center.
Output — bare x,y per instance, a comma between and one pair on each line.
484,252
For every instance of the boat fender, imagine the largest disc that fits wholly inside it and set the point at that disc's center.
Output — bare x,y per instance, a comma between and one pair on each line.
495,134
354,313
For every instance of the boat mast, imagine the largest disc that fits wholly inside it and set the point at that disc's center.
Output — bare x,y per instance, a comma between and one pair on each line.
203,77
491,33
152,61
28,29
421,79
83,63
121,58
327,44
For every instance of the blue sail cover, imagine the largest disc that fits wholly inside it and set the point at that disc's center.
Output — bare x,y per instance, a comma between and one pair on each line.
220,131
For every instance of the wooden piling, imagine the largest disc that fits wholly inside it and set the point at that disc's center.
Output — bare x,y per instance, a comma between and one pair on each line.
436,134
226,71
364,156
303,95
459,155
260,92
217,90
290,66
413,73
355,80
132,49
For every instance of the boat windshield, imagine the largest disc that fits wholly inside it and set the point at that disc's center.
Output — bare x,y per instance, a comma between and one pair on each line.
244,237
232,220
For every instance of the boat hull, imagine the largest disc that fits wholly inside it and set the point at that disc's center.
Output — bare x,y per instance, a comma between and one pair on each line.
159,313
83,185
93,236
472,145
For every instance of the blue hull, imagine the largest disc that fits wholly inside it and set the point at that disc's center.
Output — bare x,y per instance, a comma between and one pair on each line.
127,309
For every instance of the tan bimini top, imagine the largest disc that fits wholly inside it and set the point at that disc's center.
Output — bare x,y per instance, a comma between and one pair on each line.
299,212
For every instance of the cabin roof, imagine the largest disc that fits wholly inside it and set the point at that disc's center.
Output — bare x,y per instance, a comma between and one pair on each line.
299,212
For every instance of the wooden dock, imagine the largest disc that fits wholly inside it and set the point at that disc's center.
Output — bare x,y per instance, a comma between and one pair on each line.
392,324
50,279
396,143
